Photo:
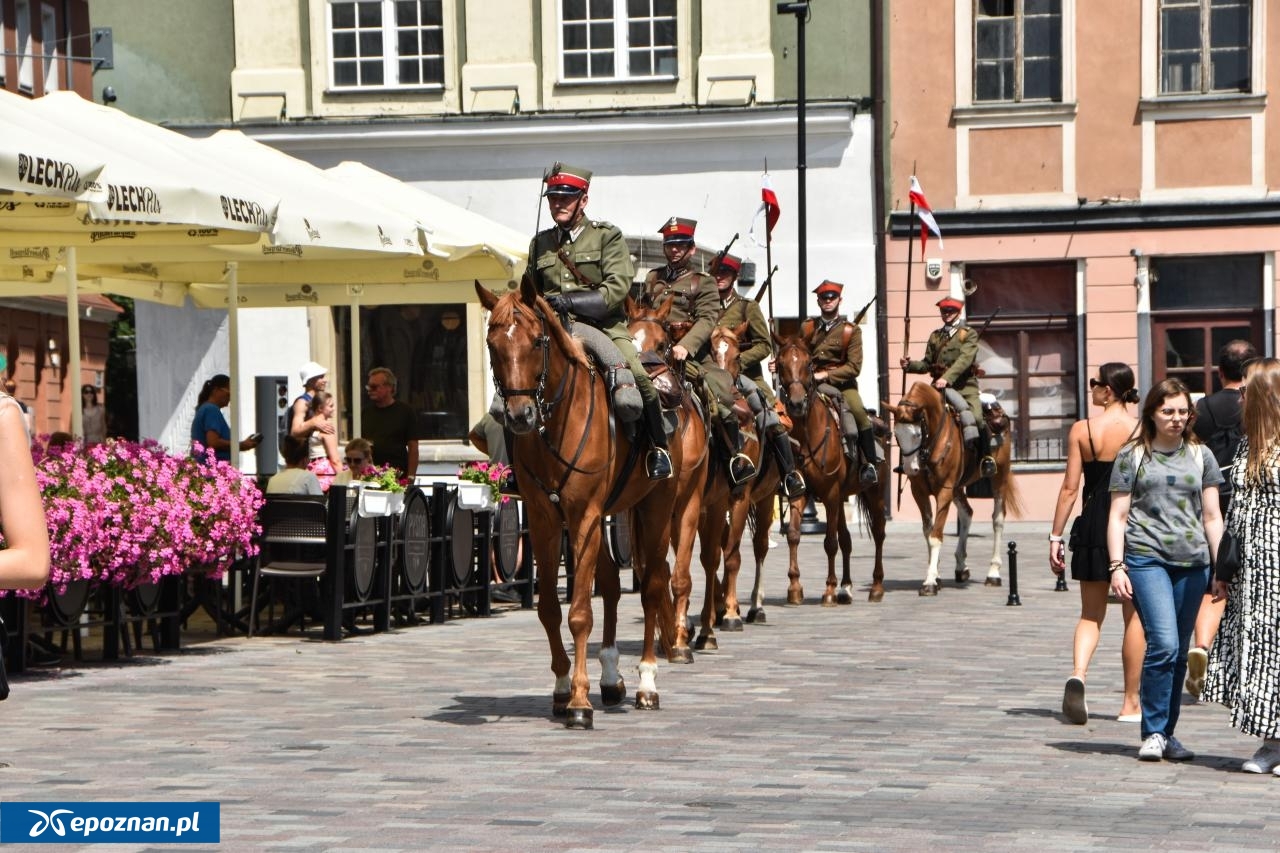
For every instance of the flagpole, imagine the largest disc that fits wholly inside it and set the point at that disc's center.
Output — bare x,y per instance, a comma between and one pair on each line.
768,251
906,322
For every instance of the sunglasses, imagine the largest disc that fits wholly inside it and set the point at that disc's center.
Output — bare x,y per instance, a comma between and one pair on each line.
1096,383
828,297
354,460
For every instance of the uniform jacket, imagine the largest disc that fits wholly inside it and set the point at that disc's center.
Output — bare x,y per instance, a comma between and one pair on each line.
951,358
697,302
843,364
757,345
600,253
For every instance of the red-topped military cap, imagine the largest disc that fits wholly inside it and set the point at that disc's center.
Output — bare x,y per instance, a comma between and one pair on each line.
563,179
829,286
677,230
729,262
950,303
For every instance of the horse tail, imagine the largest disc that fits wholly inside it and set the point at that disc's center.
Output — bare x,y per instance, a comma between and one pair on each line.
866,515
1011,496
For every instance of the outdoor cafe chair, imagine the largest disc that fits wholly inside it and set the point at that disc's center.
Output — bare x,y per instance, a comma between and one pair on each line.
293,541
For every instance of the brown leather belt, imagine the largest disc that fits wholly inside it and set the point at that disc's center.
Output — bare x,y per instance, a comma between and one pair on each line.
679,330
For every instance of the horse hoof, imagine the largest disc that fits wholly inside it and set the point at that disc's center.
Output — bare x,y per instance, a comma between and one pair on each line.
613,695
720,617
579,718
843,596
876,595
705,643
756,616
929,589
795,597
680,654
962,576
647,700
828,600
559,704
993,582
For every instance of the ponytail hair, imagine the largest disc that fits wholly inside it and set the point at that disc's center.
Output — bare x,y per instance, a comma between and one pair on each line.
218,380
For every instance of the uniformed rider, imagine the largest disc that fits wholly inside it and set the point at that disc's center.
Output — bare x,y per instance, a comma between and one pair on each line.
837,360
693,315
754,348
594,294
949,358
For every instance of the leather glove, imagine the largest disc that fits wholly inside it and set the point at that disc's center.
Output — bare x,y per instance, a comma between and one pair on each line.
559,303
586,304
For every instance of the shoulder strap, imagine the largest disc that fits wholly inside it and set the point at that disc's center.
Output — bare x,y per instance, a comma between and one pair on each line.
1089,429
847,336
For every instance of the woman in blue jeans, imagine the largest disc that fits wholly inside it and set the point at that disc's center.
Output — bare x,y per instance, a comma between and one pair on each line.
1162,533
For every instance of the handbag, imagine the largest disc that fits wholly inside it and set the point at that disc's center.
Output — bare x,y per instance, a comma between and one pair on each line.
1227,565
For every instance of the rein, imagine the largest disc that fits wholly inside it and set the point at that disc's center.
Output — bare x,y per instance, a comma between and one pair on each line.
808,385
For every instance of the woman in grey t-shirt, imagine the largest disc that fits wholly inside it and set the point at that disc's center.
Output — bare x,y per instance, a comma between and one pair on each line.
1162,533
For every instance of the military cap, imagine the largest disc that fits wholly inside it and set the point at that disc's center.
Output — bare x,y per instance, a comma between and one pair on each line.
729,262
563,179
677,230
950,303
829,286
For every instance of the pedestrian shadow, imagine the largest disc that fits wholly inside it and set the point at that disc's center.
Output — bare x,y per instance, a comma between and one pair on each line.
479,710
1223,763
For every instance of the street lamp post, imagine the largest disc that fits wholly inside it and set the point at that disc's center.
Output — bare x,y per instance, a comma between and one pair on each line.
801,11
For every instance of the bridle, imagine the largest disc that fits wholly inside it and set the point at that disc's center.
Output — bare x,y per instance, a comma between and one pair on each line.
808,385
805,384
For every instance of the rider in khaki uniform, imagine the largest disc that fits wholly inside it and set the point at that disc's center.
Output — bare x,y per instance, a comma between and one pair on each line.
595,293
949,359
756,346
693,315
837,359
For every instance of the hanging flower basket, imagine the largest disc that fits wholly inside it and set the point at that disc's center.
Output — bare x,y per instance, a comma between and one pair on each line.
378,503
475,496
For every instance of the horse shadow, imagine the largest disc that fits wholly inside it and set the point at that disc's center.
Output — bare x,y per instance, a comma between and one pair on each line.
482,710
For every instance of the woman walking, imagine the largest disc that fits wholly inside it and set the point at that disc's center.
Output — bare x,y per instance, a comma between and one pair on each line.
1163,532
1092,446
1244,663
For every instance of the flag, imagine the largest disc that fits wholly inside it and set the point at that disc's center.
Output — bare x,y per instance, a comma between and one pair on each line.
768,208
925,212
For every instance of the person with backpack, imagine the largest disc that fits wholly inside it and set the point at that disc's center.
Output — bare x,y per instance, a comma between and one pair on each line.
1219,425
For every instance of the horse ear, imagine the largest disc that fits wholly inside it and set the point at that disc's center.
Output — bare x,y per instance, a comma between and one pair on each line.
886,406
778,339
741,329
528,290
665,308
630,307
487,297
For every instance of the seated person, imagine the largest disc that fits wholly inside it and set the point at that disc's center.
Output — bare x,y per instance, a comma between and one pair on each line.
294,478
358,457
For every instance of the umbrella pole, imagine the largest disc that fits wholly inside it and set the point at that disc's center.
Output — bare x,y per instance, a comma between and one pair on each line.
357,382
233,344
73,345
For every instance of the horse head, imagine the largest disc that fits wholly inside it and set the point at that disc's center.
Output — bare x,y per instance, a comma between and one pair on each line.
726,346
915,419
648,327
527,347
795,375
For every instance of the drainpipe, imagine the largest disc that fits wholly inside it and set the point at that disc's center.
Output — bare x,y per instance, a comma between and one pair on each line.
880,166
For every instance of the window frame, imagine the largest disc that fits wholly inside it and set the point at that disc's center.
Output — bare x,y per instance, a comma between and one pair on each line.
1206,50
49,41
621,49
1019,58
390,55
24,46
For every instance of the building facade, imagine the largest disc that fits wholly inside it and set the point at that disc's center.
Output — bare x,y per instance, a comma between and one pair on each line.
1101,179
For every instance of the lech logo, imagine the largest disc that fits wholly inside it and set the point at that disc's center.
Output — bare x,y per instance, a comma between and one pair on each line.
933,268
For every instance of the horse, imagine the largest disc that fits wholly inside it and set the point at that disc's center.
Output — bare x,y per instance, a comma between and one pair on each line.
933,456
648,329
830,478
574,465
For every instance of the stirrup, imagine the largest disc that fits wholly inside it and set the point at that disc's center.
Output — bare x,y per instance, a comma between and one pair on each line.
793,485
868,476
741,469
987,467
658,464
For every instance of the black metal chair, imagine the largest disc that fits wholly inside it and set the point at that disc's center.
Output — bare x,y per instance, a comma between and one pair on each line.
294,543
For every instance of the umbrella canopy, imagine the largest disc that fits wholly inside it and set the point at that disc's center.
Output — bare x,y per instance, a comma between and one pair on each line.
35,159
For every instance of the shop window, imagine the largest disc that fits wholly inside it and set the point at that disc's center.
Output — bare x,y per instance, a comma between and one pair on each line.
1205,46
1028,353
386,43
617,39
1017,50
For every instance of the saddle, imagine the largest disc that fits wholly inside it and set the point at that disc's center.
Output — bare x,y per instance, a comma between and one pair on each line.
671,388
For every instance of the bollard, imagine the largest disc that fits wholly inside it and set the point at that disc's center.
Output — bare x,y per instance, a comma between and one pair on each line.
1013,601
809,522
1061,585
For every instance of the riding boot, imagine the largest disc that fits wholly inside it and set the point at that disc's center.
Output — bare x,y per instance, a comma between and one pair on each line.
867,441
741,468
792,482
657,463
987,467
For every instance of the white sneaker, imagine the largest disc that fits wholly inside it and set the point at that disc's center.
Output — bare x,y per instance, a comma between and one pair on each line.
1175,751
1152,748
1197,663
1265,760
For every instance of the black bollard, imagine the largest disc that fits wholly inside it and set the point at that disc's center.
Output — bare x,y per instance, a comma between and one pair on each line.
809,522
1013,601
1061,585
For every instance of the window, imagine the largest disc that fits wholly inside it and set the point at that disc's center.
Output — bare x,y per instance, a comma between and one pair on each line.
618,39
49,46
386,43
25,47
1017,50
1028,354
1200,34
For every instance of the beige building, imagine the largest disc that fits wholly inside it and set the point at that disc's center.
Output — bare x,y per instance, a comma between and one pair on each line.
1101,176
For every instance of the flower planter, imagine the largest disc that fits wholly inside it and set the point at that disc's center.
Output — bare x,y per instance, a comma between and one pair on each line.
475,496
376,503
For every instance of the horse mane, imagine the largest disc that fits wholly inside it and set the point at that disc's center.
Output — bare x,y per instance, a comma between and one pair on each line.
506,312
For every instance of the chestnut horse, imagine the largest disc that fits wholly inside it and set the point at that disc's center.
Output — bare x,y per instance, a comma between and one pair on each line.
574,465
933,456
830,478
648,329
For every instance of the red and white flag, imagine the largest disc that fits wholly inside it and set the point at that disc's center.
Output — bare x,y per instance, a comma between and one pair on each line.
925,212
769,209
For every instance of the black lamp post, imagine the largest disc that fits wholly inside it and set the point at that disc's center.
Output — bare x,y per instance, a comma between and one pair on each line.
801,11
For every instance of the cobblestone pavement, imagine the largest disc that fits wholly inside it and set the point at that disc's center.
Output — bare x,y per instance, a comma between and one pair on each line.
914,724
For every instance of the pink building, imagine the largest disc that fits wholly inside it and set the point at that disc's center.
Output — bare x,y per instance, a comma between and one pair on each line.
1101,179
